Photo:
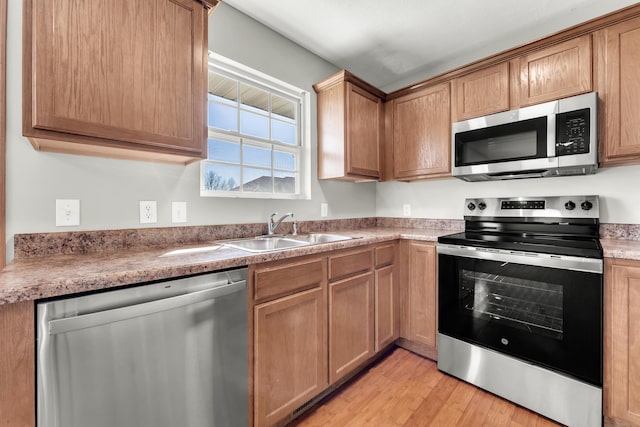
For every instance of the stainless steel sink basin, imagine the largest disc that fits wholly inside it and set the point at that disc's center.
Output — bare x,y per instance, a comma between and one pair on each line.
314,238
278,243
259,244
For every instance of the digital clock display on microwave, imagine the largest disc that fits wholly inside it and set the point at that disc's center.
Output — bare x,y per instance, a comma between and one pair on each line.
522,204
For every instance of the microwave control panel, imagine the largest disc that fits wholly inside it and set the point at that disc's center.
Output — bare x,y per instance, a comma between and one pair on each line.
572,133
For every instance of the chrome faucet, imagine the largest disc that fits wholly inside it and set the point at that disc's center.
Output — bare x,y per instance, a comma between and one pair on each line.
272,225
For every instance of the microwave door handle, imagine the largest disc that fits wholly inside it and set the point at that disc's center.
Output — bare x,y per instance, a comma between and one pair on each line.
551,135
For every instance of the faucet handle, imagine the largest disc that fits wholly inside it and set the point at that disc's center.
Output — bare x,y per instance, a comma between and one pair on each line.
272,215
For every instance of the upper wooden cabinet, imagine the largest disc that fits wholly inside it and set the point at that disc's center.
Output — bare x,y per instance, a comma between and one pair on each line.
422,134
622,341
618,84
480,93
350,128
124,79
551,73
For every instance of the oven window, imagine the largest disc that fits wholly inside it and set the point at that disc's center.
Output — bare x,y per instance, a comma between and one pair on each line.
525,304
512,141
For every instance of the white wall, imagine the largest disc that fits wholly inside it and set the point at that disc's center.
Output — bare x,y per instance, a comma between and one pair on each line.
109,190
444,198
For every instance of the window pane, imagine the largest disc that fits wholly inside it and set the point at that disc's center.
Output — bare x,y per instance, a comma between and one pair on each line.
283,132
284,160
223,117
256,156
223,87
224,151
283,107
221,177
285,182
257,180
254,125
254,97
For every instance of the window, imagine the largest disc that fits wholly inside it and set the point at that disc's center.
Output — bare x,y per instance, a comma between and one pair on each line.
257,135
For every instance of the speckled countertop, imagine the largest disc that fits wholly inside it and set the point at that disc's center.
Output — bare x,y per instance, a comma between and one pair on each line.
33,278
57,264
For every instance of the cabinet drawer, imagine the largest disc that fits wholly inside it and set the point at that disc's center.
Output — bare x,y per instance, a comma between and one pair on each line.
286,278
384,255
350,263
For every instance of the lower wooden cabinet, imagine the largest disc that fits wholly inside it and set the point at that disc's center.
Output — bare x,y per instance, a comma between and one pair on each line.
290,354
419,297
386,312
17,365
622,341
351,337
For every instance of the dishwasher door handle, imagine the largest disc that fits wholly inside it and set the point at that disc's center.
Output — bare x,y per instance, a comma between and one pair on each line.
68,324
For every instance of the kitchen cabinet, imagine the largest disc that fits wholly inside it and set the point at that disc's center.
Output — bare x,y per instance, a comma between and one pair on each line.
482,92
557,71
17,365
350,128
422,134
117,79
351,311
622,341
386,298
290,337
418,325
618,84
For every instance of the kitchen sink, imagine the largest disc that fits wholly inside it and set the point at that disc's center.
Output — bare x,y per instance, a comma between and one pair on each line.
278,243
315,238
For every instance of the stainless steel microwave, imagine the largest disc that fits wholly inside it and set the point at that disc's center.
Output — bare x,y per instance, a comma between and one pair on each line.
556,138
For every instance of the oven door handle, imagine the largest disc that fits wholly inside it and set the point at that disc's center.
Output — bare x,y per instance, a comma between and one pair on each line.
563,262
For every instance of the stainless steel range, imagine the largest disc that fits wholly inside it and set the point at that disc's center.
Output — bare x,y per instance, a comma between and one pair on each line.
520,304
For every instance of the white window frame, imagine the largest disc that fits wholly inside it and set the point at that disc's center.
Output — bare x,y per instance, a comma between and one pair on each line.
242,73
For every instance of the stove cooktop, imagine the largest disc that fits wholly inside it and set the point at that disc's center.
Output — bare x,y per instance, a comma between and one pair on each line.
579,247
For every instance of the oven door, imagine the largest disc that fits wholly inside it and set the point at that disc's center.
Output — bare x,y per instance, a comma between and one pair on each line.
544,309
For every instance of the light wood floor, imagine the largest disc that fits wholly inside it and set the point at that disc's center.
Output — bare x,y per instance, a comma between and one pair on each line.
407,390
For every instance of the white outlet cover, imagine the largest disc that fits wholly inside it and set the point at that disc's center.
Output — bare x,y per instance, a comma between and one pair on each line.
178,212
67,212
324,208
406,209
148,212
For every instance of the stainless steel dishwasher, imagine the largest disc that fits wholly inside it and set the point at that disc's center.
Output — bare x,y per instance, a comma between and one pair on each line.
165,354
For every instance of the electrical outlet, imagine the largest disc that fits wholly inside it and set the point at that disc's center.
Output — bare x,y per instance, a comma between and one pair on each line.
406,209
148,212
67,212
324,209
178,212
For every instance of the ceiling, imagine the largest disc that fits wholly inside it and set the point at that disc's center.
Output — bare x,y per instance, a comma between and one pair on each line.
393,44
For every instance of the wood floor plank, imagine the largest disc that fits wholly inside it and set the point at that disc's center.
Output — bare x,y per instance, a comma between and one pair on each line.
406,390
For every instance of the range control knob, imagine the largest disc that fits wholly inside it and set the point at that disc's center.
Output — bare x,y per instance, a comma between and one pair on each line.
569,205
471,206
586,205
482,206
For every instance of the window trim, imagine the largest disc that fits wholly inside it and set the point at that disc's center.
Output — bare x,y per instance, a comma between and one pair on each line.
244,74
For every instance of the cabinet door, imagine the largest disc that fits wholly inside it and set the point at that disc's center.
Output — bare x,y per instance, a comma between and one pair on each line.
422,134
556,72
351,336
365,119
119,74
618,86
422,294
622,341
480,93
290,354
386,307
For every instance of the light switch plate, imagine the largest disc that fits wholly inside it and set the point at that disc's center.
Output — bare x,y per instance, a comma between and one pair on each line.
67,212
148,212
178,212
324,208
